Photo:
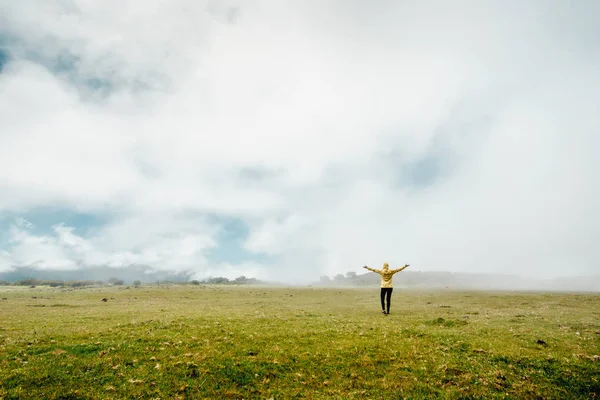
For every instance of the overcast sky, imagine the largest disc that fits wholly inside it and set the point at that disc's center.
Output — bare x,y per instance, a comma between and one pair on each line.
288,139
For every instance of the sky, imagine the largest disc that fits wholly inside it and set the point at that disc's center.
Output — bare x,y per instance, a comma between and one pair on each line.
287,140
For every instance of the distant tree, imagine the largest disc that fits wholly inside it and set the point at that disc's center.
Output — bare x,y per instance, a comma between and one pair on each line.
79,283
4,283
241,279
324,278
339,277
350,274
116,281
195,282
137,282
28,282
218,280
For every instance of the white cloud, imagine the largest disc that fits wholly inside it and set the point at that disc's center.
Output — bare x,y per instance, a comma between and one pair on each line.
333,105
163,242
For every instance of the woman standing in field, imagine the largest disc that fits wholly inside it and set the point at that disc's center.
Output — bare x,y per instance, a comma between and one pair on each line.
386,284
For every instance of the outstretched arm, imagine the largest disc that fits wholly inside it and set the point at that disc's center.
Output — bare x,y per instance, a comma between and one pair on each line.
401,268
370,269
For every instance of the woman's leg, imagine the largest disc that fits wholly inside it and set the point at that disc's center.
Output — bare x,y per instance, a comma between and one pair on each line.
382,296
389,299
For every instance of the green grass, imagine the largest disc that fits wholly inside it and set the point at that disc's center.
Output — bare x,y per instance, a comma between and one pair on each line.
254,342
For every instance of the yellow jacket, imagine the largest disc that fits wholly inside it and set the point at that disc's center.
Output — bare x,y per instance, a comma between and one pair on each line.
386,274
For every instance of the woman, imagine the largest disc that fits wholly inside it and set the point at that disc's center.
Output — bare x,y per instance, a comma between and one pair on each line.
386,284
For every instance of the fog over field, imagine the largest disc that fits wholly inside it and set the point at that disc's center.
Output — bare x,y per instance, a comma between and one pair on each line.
427,280
285,141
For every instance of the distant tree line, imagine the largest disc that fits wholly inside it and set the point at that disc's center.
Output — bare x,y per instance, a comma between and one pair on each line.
350,278
61,283
97,274
240,280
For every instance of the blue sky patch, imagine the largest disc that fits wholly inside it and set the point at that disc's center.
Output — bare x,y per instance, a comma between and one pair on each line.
230,238
61,63
4,58
419,173
66,66
43,220
4,52
424,172
230,242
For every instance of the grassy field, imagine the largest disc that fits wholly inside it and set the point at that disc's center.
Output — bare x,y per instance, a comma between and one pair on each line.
256,342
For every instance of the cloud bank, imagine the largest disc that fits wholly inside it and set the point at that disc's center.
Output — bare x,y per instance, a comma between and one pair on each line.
284,141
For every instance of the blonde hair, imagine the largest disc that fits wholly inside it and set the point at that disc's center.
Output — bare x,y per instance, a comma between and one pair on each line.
386,265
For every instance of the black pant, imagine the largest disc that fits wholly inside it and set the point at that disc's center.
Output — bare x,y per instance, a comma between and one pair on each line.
386,292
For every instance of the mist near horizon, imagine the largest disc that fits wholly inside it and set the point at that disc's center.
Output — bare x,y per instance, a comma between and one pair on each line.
286,142
419,280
